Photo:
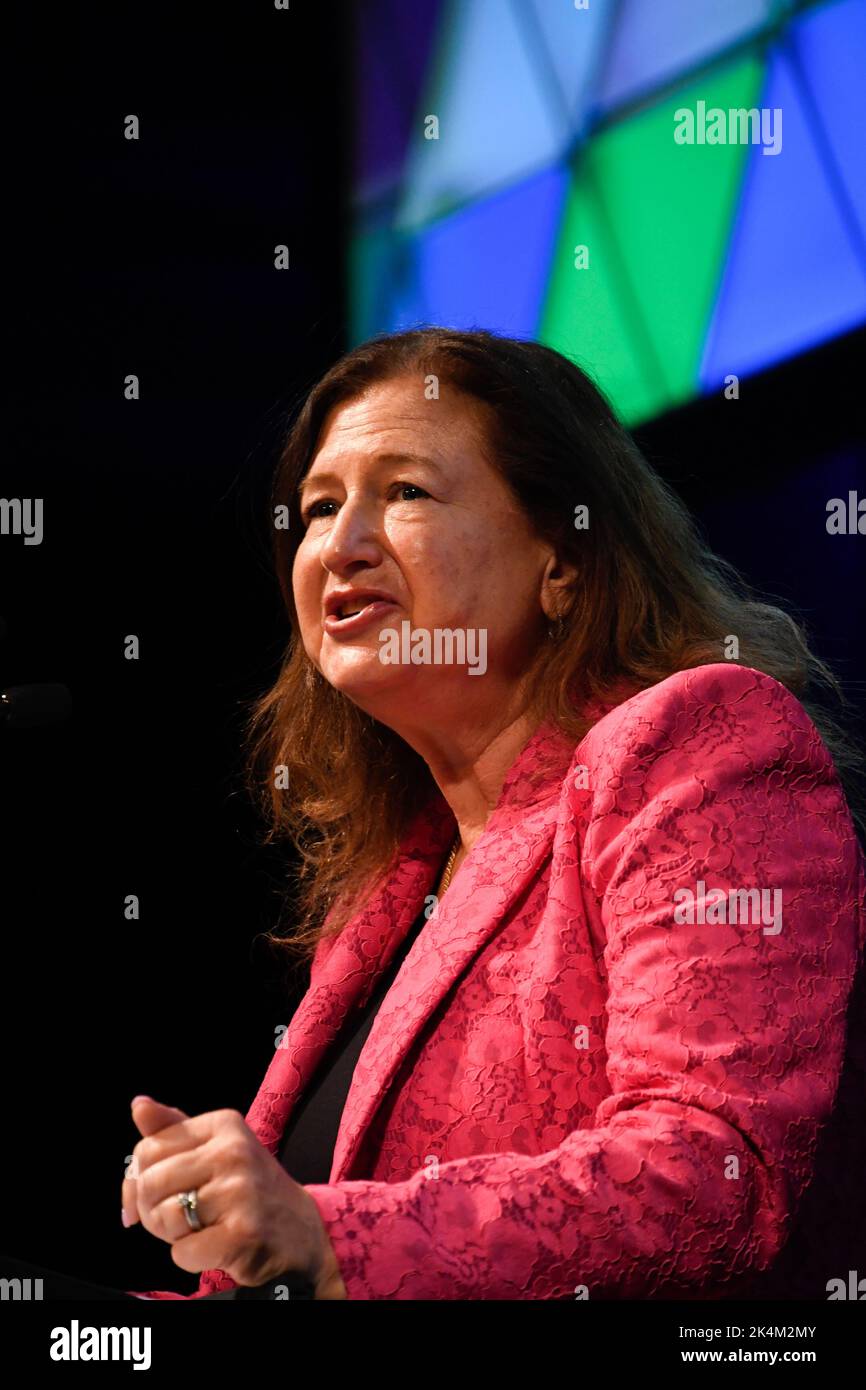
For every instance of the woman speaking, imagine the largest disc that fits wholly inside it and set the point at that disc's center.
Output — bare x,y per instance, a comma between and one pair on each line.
580,889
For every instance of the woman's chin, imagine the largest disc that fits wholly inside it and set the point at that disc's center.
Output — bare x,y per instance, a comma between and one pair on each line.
364,679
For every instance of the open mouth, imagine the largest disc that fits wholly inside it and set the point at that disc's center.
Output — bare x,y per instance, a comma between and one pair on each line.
356,612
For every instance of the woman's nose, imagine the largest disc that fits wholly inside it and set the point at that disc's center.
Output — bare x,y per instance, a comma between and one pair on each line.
352,537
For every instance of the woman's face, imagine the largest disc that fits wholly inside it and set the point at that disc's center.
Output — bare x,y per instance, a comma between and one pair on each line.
399,499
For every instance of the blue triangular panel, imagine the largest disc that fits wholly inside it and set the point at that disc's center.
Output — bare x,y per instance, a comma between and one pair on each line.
574,46
499,120
487,266
830,48
792,277
654,42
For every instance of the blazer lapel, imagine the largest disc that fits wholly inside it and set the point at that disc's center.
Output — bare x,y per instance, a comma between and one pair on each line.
345,970
508,854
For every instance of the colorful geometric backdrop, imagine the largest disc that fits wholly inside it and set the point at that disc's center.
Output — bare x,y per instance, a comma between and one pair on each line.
556,130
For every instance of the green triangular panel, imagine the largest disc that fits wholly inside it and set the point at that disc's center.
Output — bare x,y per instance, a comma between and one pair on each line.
586,316
656,216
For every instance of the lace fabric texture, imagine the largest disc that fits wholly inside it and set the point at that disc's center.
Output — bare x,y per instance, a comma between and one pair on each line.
602,1070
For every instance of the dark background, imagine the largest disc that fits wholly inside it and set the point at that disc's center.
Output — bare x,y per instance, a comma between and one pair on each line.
156,258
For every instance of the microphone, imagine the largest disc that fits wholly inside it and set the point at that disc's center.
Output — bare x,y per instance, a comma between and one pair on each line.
28,706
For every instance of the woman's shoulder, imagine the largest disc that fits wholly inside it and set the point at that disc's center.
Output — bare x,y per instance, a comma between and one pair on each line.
710,711
723,686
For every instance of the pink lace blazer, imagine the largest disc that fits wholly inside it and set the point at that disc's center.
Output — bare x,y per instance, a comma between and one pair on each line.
611,1060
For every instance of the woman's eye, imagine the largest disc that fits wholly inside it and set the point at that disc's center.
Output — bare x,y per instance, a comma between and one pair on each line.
313,509
410,487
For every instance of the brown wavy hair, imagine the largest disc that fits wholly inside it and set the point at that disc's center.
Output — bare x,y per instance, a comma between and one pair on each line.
651,598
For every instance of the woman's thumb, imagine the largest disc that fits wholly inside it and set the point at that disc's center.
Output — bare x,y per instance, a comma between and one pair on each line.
149,1116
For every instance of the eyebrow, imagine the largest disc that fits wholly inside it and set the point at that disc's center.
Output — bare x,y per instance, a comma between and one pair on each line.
326,478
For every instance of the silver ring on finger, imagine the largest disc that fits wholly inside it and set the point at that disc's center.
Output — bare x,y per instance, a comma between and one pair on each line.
189,1202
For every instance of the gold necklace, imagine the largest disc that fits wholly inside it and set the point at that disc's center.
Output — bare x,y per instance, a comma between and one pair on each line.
449,865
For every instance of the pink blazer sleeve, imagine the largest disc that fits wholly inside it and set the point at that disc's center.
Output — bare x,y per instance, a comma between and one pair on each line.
724,1042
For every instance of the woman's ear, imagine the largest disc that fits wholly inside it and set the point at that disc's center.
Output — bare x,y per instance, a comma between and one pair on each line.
556,586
